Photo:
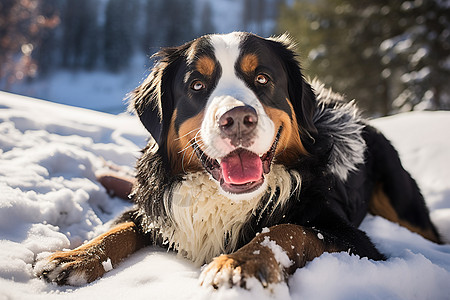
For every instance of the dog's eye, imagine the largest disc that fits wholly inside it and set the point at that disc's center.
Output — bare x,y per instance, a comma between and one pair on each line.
262,79
197,85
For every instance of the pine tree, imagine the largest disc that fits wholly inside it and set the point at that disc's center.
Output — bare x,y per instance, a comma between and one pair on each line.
178,21
23,27
151,23
45,52
372,50
80,31
419,54
119,33
206,25
254,14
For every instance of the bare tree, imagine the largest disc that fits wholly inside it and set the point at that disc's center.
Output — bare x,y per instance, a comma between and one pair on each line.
21,23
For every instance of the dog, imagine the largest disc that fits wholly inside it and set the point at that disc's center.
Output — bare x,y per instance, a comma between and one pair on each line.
252,169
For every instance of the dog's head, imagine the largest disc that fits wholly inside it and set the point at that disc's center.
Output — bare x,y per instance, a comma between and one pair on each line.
228,104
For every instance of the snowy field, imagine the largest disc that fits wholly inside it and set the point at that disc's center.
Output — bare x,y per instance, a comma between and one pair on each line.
50,200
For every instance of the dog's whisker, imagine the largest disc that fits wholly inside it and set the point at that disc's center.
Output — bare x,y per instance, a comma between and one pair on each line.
183,159
186,134
188,144
195,144
185,149
191,156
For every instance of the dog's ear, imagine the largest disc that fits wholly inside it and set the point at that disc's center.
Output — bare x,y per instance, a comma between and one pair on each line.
300,91
153,100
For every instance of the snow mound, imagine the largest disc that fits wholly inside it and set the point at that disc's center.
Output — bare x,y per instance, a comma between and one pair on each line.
50,200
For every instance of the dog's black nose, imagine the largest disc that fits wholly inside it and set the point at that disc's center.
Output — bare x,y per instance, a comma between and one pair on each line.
238,124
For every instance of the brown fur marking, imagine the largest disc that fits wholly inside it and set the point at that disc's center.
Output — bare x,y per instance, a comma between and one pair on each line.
249,63
205,65
181,155
380,205
290,146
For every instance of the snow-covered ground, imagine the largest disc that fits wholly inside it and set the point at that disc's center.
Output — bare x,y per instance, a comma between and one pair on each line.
50,200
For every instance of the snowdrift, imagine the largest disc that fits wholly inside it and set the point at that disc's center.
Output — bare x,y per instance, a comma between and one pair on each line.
50,200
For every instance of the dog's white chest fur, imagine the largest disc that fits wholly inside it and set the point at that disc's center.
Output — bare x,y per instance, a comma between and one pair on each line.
206,223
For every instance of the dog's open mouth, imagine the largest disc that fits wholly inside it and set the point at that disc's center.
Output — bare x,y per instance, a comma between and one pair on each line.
240,171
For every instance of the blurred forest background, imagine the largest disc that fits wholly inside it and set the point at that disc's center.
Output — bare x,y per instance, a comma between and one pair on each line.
390,56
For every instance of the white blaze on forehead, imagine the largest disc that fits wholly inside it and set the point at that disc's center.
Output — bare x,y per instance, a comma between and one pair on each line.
231,91
227,50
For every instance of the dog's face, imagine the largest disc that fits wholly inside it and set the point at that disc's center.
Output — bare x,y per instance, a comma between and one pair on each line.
228,104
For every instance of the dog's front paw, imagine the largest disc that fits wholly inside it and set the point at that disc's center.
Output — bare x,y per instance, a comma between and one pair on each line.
75,267
238,268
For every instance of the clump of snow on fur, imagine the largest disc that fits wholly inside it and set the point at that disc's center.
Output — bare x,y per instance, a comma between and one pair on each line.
107,265
280,255
265,230
77,279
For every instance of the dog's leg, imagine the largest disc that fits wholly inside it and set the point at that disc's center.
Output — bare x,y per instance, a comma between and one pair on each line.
396,196
273,255
91,260
117,184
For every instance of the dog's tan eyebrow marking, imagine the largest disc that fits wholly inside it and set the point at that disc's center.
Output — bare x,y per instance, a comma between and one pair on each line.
249,63
205,65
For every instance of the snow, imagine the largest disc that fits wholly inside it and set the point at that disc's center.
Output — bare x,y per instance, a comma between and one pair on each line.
50,200
265,230
280,255
107,265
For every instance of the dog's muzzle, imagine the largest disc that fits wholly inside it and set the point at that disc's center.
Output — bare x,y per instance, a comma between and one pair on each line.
240,171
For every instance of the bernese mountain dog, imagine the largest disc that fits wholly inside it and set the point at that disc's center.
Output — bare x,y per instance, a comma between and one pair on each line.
252,170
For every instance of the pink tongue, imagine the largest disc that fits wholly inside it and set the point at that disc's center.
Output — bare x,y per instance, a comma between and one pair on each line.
241,166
